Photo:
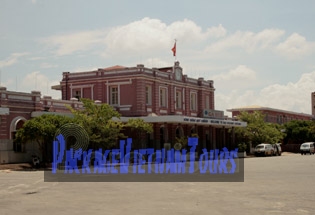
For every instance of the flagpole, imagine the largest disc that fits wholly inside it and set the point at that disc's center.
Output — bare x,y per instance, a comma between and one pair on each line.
175,50
174,54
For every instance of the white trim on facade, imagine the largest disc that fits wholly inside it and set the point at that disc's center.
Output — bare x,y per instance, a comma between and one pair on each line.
14,123
108,84
81,89
164,98
189,120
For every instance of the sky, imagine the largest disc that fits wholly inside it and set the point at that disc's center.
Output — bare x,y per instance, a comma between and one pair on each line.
256,52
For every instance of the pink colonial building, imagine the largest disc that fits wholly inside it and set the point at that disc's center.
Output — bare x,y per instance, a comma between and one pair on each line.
176,104
15,109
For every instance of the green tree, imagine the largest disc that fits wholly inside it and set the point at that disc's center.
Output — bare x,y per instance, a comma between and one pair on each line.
183,141
299,131
42,129
257,130
140,128
98,121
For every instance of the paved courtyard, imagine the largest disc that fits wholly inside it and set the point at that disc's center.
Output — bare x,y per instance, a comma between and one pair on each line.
273,185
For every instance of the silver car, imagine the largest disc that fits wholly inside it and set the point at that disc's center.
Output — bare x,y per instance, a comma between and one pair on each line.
264,149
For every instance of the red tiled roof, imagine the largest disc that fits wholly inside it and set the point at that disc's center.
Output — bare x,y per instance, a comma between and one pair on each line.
115,67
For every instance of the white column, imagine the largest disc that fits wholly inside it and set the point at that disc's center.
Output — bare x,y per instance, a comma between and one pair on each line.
183,103
70,91
92,96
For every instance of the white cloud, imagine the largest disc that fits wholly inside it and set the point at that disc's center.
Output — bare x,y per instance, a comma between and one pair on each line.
8,82
34,80
291,96
295,46
146,36
36,58
136,37
69,43
216,31
242,77
240,73
152,34
47,65
38,81
12,59
247,40
234,99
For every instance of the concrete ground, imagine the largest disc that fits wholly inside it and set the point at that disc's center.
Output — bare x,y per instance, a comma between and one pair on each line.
273,185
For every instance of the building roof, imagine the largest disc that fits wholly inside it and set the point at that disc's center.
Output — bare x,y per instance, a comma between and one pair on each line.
114,67
261,108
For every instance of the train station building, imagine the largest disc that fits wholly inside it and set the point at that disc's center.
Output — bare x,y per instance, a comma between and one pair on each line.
176,104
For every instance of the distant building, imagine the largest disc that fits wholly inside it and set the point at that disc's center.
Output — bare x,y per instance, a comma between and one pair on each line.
272,115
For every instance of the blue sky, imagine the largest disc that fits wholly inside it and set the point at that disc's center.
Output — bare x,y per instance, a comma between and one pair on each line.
256,52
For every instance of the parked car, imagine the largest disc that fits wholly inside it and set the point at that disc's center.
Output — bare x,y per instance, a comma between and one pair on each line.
277,149
264,149
307,147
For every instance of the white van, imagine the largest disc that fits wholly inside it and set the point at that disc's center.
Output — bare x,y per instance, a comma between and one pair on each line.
307,147
264,149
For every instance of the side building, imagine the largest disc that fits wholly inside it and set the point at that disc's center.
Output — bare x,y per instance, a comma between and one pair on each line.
272,115
276,116
15,109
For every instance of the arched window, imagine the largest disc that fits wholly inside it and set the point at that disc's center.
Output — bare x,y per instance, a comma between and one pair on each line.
179,132
16,124
192,130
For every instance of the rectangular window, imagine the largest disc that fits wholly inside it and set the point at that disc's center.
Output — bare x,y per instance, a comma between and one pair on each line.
193,101
148,95
76,93
17,146
113,95
207,106
163,97
178,100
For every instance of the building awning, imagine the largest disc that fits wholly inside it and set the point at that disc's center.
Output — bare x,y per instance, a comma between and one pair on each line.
172,119
56,87
189,120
